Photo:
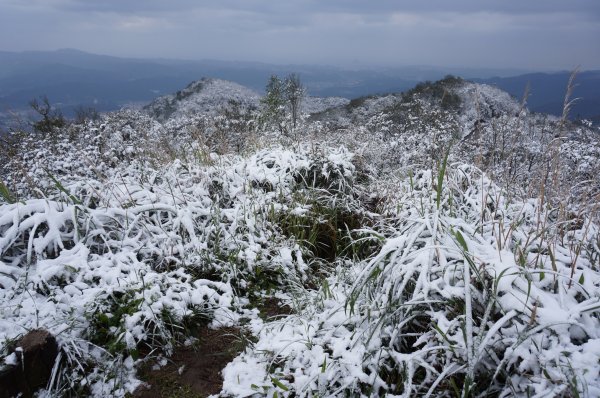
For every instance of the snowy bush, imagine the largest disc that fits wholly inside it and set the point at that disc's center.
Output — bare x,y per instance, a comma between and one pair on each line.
450,247
445,307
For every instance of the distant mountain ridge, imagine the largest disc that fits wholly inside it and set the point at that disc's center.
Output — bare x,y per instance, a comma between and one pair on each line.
547,92
113,81
72,78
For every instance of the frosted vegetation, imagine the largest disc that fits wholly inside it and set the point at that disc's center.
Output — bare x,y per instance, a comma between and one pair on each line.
440,243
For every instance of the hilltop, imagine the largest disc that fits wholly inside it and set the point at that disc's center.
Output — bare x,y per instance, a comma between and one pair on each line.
205,97
440,241
208,96
73,79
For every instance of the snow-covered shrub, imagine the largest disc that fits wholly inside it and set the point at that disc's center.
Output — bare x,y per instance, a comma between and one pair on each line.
135,260
89,275
123,235
445,307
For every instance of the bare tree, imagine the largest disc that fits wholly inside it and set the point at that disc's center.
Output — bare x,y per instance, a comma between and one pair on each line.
51,118
83,114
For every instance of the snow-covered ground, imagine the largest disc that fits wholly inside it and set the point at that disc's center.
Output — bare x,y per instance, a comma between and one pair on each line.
426,248
205,96
209,96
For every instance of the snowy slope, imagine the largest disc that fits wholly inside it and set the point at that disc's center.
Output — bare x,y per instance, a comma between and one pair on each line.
205,96
410,272
209,96
312,104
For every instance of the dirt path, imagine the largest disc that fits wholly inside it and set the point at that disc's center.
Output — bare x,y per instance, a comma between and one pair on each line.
194,372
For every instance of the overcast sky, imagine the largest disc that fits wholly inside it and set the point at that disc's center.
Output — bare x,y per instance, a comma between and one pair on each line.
528,34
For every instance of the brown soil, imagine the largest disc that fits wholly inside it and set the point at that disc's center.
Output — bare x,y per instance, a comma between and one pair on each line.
203,362
271,308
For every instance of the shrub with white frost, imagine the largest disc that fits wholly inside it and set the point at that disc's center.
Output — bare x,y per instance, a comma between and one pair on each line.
450,247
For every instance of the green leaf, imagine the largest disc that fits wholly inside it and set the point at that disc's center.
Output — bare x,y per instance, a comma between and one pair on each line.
444,336
545,372
279,384
528,287
461,241
552,260
5,193
103,319
62,188
581,279
441,174
455,388
374,274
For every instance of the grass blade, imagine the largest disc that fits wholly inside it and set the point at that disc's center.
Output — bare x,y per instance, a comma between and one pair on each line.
5,193
441,174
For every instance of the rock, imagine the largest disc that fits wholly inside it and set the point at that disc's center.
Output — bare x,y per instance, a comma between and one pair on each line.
35,354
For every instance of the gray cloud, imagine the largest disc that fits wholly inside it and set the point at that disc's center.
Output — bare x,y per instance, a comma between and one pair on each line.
308,6
545,34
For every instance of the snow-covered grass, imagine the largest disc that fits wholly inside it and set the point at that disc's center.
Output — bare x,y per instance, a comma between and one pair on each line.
410,271
463,299
131,263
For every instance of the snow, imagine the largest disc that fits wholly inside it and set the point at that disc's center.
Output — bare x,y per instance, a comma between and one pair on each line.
11,359
209,96
204,96
155,222
312,104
